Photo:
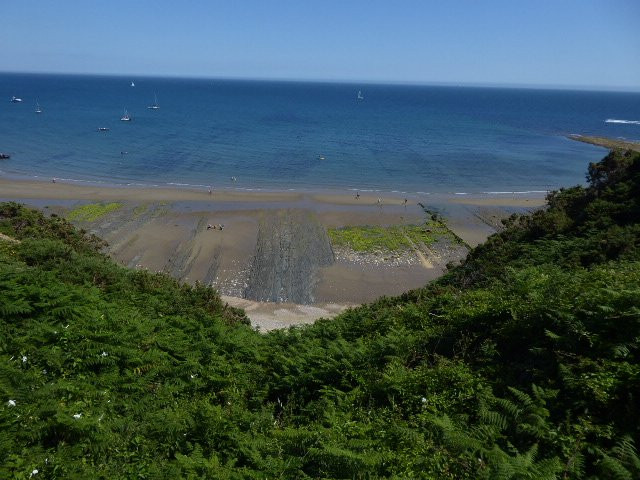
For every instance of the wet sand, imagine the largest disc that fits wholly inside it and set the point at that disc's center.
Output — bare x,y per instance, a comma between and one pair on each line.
273,257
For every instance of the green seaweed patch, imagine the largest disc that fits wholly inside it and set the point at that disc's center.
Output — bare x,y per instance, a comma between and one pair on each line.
162,208
93,211
395,238
139,210
439,226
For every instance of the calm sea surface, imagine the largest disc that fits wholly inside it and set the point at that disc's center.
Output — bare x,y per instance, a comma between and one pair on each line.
305,136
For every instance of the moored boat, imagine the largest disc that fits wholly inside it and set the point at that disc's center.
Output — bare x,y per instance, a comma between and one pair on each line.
155,105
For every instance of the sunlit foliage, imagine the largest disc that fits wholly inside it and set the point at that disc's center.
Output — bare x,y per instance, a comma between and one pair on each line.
521,363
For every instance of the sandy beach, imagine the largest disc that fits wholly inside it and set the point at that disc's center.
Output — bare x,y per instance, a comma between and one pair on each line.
273,256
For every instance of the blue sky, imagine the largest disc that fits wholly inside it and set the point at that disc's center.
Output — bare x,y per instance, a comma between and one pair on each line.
584,43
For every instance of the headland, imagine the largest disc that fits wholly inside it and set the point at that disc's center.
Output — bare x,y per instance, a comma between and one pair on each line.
610,143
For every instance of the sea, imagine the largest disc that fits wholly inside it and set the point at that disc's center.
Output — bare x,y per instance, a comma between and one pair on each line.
304,136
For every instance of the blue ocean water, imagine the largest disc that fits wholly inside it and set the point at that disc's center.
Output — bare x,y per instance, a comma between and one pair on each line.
305,136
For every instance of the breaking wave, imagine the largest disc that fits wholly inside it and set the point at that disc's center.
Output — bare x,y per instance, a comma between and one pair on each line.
614,120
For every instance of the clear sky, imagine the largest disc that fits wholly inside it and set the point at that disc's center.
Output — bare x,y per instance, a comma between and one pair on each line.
584,43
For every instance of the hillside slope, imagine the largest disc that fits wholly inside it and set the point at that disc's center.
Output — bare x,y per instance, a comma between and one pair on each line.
521,363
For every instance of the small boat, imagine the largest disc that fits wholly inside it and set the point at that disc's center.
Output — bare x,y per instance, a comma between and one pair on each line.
133,84
125,116
360,97
16,100
155,105
103,129
4,156
38,108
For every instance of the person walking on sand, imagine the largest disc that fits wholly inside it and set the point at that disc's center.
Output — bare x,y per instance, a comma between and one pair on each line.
379,202
210,191
357,195
405,202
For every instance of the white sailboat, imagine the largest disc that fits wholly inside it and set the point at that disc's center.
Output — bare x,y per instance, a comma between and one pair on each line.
133,84
38,108
155,105
15,100
125,117
360,97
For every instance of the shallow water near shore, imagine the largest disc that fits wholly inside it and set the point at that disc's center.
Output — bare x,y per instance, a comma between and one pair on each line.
304,136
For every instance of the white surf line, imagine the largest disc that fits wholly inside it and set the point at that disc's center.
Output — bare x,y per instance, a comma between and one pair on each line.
629,122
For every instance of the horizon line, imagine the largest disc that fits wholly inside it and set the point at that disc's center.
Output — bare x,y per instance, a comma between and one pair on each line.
459,84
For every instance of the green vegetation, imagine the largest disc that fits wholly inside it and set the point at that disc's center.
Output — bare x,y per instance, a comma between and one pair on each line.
161,210
522,363
395,238
139,210
92,211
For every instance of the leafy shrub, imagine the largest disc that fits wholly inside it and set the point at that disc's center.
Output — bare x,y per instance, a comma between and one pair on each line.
524,362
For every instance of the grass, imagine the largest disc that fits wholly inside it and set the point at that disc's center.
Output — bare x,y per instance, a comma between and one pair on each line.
92,211
389,239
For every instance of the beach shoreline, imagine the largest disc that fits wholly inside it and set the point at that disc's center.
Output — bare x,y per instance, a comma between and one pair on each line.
60,189
273,256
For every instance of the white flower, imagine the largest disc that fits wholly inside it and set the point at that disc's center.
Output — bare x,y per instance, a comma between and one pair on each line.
77,416
423,400
24,359
104,354
11,403
34,472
